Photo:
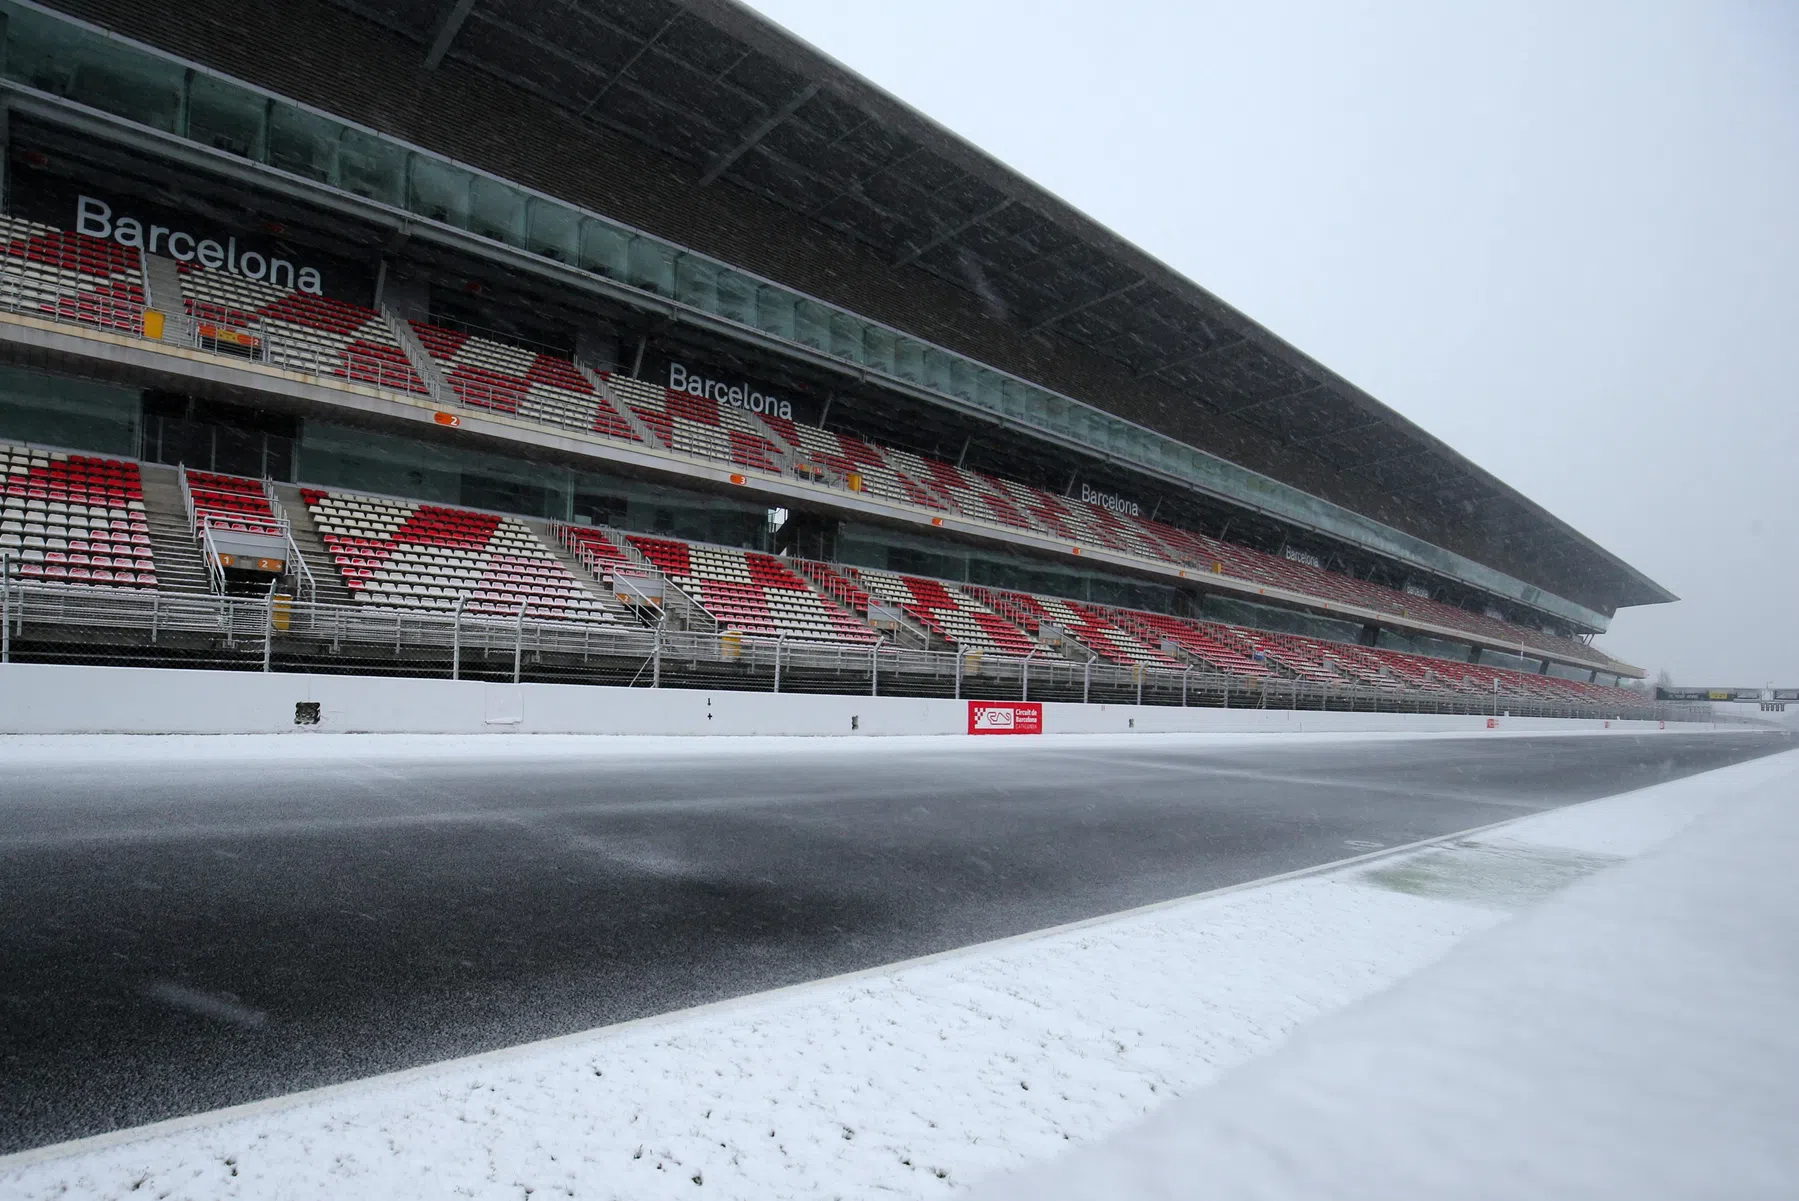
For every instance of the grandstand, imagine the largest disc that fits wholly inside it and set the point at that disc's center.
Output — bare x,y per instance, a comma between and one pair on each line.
713,401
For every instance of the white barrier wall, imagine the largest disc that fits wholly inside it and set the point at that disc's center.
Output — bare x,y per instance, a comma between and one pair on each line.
62,699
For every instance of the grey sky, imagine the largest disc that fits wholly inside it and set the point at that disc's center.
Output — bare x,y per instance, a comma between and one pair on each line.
1563,238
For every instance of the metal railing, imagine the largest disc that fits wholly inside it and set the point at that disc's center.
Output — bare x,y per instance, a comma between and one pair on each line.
95,624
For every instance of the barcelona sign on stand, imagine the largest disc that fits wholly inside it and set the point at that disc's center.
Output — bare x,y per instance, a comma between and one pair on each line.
1005,717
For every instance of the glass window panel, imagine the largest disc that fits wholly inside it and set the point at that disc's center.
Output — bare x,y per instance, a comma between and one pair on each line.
303,143
439,191
774,311
370,167
988,388
696,283
554,231
226,117
908,360
42,51
120,80
651,266
938,368
1036,408
961,378
1014,397
812,324
878,348
605,248
497,211
846,337
736,297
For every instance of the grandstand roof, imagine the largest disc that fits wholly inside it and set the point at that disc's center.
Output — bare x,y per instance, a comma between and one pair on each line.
742,102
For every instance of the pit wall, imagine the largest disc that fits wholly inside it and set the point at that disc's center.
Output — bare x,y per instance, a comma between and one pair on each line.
63,699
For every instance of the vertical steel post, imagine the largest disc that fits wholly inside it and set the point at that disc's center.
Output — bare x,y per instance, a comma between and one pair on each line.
268,629
1087,679
518,643
780,641
456,637
656,657
1140,674
1025,673
957,652
5,606
874,669
1184,676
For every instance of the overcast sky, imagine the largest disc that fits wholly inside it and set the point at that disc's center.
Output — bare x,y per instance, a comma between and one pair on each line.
1562,237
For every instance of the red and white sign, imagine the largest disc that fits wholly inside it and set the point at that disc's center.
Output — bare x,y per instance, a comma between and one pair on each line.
1005,717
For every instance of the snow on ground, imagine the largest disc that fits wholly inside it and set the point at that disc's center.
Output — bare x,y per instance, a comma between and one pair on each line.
915,1080
318,746
1632,1037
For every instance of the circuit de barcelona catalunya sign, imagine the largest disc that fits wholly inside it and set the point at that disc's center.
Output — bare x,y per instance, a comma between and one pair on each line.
95,219
1005,717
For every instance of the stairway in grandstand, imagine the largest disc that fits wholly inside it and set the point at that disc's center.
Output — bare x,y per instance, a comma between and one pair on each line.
752,592
179,565
305,531
162,285
546,532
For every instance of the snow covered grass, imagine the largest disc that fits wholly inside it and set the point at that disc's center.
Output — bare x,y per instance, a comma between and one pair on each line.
1630,1037
914,1080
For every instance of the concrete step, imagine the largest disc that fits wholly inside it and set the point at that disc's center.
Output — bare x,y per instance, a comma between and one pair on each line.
162,280
179,566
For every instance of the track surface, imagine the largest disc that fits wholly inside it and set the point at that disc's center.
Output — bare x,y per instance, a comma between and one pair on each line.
181,936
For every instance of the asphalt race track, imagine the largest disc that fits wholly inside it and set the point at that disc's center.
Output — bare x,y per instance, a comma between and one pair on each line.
184,935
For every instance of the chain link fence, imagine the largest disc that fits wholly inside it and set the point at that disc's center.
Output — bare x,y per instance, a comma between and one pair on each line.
44,623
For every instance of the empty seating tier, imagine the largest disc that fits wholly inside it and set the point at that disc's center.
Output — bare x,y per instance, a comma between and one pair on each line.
513,379
400,554
231,502
598,553
698,425
1211,645
49,270
70,275
752,592
1086,625
969,493
850,461
74,519
312,334
947,611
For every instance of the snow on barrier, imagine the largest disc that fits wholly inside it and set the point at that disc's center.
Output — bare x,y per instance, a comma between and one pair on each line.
72,699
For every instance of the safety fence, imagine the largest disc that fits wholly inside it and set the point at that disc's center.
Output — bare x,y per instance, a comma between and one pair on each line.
146,627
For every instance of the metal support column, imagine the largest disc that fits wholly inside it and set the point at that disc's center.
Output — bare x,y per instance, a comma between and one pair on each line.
656,657
1025,672
957,651
268,629
874,670
456,637
518,643
1184,676
5,607
780,642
